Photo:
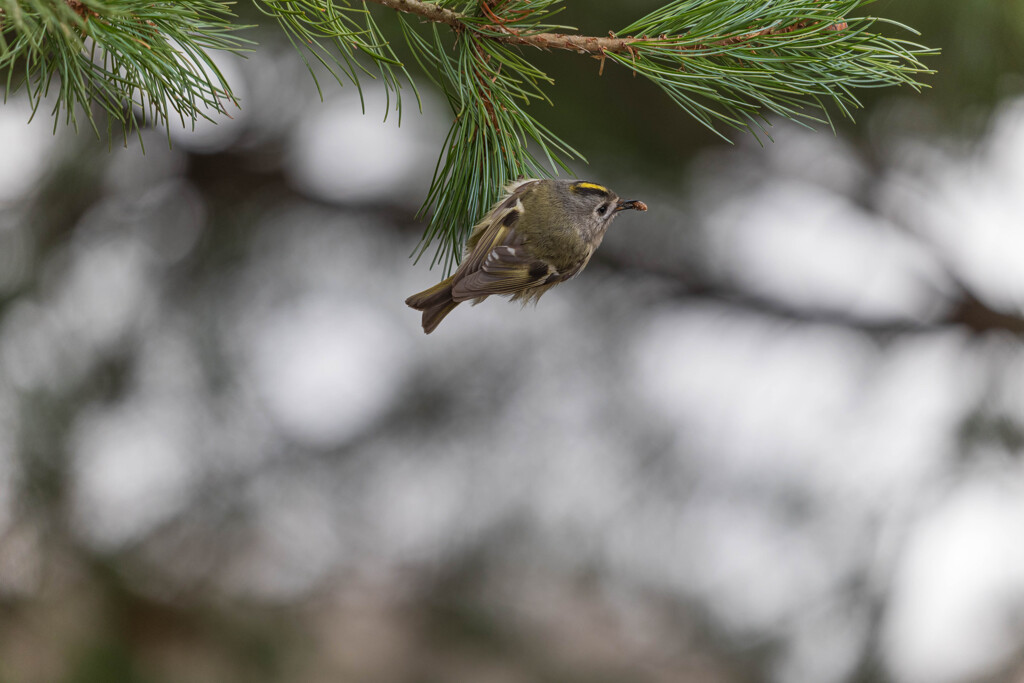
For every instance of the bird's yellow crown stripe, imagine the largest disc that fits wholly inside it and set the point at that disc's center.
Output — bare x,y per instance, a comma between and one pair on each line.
590,186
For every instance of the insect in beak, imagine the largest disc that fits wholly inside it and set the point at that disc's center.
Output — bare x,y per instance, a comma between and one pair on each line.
631,204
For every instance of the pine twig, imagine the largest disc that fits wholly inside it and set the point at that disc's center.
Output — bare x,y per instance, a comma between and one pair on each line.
593,45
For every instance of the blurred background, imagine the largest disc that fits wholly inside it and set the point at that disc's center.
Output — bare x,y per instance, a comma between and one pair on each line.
773,433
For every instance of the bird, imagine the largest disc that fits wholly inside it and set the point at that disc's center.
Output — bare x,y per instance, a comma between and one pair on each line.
540,233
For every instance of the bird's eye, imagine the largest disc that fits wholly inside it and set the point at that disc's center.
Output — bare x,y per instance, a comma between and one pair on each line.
602,210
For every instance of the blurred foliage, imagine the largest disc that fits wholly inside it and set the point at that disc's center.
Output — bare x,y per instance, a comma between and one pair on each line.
982,60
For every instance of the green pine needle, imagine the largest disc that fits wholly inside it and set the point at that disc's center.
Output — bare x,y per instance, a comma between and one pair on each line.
139,62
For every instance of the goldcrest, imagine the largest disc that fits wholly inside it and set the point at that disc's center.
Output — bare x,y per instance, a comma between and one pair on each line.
541,233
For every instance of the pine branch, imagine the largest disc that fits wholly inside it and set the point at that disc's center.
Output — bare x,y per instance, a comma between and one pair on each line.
139,62
593,45
726,63
731,62
431,11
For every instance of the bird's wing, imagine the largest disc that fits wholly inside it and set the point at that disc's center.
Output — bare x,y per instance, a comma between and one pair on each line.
499,232
506,269
510,203
498,262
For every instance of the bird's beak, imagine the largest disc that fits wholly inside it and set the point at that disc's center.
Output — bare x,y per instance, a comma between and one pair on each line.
631,204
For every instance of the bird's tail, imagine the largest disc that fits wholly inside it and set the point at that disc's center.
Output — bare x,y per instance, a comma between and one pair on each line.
435,303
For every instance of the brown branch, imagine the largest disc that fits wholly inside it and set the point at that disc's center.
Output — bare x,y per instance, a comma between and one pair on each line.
593,45
427,10
558,41
80,9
